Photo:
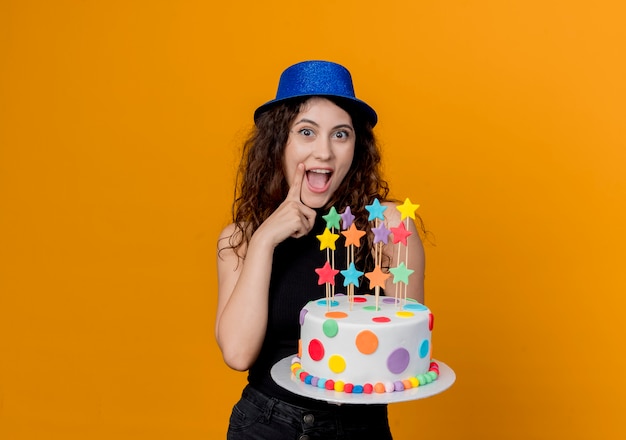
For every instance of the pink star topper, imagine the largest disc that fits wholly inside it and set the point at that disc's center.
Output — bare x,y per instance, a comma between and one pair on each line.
326,274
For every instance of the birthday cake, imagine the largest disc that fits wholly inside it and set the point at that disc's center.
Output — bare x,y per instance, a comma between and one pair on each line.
361,348
365,343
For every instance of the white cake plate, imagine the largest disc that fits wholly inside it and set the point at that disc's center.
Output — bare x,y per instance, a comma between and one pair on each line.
281,373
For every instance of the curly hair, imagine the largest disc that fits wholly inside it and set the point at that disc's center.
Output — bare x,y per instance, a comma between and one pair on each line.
261,185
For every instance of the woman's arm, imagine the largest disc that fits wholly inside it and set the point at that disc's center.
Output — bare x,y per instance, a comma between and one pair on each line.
243,283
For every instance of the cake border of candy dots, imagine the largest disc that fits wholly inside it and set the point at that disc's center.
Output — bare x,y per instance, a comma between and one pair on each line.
379,387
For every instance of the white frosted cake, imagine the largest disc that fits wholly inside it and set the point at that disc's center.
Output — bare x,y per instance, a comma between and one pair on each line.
359,348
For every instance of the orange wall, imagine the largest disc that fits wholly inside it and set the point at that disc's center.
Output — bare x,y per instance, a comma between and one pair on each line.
119,128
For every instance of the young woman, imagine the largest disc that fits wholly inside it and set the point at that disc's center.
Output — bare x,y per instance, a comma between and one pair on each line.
312,148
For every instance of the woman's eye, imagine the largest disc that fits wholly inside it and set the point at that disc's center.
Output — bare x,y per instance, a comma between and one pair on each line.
342,135
306,132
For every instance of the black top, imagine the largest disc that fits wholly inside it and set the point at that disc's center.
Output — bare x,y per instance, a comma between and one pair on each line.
293,283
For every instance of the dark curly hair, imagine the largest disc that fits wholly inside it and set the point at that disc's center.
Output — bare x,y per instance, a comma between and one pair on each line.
261,185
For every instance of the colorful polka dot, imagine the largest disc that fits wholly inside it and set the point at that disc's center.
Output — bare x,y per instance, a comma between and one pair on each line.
371,308
359,299
398,360
405,314
322,302
381,319
316,350
336,315
390,301
366,342
336,363
303,313
431,321
424,348
415,306
330,328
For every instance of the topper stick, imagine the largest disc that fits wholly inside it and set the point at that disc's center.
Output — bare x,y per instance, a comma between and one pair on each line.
376,263
397,292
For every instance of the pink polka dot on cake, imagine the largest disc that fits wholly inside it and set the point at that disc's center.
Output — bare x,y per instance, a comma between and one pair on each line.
316,350
381,319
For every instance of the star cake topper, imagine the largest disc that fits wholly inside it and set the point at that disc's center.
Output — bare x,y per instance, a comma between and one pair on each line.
377,277
407,209
327,239
332,218
376,210
353,236
326,274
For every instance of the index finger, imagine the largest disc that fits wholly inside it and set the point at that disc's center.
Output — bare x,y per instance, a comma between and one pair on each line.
296,186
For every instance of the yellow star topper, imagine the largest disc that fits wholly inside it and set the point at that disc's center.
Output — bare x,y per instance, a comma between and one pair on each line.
327,239
407,209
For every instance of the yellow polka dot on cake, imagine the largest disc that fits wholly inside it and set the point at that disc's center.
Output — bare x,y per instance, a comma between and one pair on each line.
336,363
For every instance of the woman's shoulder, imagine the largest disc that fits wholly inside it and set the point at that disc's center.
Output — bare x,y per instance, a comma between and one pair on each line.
228,231
230,238
392,215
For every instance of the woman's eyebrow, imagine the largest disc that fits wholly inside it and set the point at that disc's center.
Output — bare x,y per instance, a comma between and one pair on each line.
310,121
343,126
307,121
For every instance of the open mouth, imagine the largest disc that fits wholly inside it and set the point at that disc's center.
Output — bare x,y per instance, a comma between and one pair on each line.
318,179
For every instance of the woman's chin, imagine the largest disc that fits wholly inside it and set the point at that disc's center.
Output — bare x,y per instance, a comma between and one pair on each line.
314,201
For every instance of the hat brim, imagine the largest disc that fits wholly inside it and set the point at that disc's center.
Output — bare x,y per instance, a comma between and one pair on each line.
353,105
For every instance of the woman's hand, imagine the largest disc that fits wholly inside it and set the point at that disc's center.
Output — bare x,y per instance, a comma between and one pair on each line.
292,218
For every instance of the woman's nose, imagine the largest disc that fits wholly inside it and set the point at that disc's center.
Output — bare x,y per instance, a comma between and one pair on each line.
323,149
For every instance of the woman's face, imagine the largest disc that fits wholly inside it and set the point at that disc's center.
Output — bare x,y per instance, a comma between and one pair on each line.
322,138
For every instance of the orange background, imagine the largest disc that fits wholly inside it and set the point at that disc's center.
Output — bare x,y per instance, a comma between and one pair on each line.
120,123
